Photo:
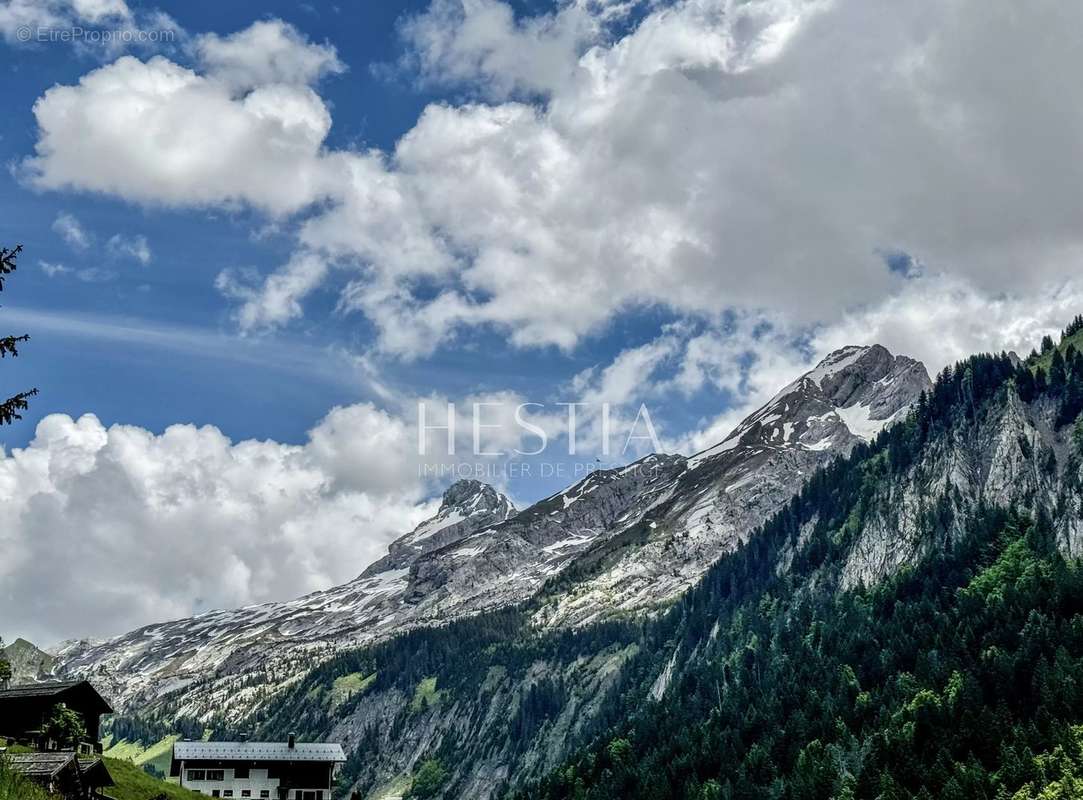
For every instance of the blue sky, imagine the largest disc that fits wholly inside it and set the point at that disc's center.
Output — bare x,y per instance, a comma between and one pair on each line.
154,344
124,380
249,252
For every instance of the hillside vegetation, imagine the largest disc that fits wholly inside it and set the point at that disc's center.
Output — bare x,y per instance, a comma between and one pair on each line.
135,784
958,677
156,754
956,680
955,675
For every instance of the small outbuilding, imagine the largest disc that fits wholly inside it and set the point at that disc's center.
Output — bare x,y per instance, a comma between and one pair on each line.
62,773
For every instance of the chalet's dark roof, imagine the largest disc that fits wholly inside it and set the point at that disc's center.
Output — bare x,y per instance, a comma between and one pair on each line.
257,751
53,689
95,774
41,765
51,763
38,689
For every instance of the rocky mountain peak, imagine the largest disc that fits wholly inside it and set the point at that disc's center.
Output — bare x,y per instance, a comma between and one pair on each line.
726,491
28,662
467,506
871,376
468,496
849,396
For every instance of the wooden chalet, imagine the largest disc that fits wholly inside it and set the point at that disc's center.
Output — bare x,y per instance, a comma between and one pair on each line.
25,709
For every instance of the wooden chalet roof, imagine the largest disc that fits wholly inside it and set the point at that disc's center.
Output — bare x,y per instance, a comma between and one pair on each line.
95,774
41,765
58,690
50,763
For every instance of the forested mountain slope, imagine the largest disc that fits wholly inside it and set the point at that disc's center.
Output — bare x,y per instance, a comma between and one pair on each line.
910,627
829,655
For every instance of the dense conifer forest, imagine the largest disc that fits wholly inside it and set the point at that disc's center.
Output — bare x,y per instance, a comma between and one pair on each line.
960,677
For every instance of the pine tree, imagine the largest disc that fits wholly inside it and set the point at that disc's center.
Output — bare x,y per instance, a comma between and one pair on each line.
1040,381
1074,327
5,665
1058,375
10,408
1072,402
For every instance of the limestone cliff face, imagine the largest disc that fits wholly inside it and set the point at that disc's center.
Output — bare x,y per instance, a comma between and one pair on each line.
1011,457
28,663
495,747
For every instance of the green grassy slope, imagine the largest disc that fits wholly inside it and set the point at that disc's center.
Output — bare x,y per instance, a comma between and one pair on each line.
347,686
157,754
134,784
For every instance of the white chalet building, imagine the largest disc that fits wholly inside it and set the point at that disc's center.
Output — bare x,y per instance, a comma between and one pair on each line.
257,770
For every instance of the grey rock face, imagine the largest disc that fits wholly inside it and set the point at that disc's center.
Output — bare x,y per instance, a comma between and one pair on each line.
509,562
725,492
1015,457
467,506
28,663
477,722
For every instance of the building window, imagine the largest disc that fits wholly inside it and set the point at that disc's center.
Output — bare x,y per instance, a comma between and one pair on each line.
240,773
310,795
197,775
227,793
214,793
264,793
246,792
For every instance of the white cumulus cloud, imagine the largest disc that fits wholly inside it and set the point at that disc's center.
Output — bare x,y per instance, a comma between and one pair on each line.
32,14
159,133
266,52
705,155
126,526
